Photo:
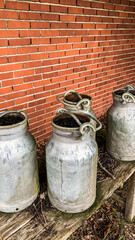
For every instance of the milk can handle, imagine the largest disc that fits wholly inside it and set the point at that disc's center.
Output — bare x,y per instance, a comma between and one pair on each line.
13,111
127,94
84,101
129,87
83,126
62,96
96,120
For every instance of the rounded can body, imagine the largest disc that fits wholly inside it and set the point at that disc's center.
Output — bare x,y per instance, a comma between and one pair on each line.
18,167
120,141
71,170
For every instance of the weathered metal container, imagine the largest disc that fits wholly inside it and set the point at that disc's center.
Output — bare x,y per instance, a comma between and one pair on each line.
18,163
74,101
71,160
120,141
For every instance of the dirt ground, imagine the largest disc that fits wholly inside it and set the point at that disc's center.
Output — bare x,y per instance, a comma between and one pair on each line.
109,222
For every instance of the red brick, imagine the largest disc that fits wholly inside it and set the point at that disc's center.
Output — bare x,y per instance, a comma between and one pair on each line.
92,44
28,49
94,32
50,1
9,33
103,12
5,90
17,5
32,64
5,105
72,52
29,15
45,48
59,67
10,67
3,60
83,3
50,62
90,11
96,5
73,76
24,73
24,99
19,42
38,56
75,10
29,33
79,45
9,14
64,46
109,6
42,70
3,42
36,41
58,79
12,82
66,72
51,17
15,95
2,4
59,9
40,25
56,54
74,39
22,87
82,19
47,33
96,19
68,2
41,83
39,7
59,40
67,18
2,24
32,78
6,75
89,25
58,25
66,32
19,58
50,75
75,25
18,24
101,26
7,51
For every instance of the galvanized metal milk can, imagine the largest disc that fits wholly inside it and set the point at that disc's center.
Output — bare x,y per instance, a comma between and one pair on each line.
18,163
74,101
120,141
71,160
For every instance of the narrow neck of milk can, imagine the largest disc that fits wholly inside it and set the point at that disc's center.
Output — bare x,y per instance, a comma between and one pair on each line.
13,124
75,101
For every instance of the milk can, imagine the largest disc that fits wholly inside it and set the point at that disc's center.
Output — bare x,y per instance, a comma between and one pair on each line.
18,163
74,101
120,141
71,160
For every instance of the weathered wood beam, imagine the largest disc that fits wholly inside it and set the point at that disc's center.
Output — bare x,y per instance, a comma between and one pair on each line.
60,225
130,201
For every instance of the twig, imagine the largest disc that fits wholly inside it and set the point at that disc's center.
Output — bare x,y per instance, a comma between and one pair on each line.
105,170
43,223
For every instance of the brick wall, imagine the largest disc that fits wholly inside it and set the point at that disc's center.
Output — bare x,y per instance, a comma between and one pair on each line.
50,46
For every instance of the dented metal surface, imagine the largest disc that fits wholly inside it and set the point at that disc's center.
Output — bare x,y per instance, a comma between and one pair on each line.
71,168
120,141
18,166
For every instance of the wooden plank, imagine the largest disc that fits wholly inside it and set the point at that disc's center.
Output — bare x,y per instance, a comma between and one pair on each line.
61,225
130,201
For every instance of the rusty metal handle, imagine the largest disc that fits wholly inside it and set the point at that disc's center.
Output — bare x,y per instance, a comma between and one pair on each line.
125,99
62,96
